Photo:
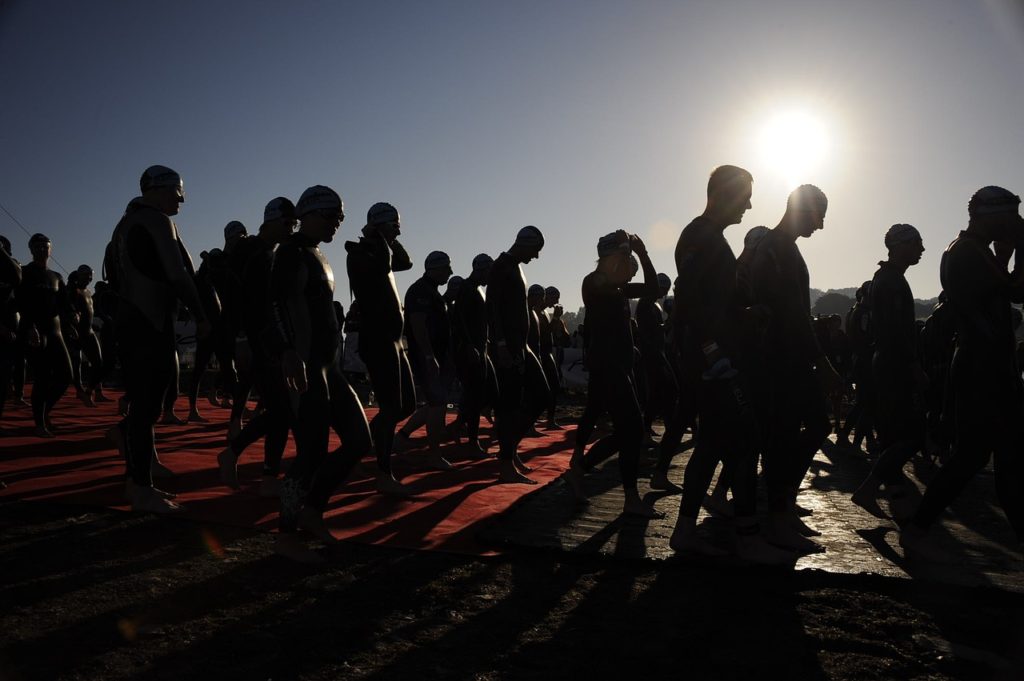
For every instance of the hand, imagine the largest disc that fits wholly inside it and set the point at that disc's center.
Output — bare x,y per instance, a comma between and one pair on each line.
637,244
1003,251
294,372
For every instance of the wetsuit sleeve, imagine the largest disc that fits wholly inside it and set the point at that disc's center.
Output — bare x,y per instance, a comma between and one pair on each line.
179,273
400,261
10,270
648,289
287,282
778,286
417,306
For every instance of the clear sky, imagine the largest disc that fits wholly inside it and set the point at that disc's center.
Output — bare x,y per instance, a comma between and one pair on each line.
475,118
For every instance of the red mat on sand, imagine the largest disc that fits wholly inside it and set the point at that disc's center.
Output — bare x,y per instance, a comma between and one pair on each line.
81,467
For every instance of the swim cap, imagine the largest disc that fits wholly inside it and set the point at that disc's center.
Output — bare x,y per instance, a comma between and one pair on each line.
610,244
233,229
552,292
754,236
279,208
437,260
530,237
455,282
161,176
535,290
38,238
5,244
807,197
991,200
319,198
84,270
901,234
664,281
382,214
482,262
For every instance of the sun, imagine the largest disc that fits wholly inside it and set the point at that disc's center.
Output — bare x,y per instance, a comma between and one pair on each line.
794,144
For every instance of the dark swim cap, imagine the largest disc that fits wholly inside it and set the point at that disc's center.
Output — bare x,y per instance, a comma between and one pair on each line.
84,270
991,200
482,262
234,228
530,237
437,260
610,244
664,281
160,176
535,290
38,238
319,198
279,208
552,291
382,214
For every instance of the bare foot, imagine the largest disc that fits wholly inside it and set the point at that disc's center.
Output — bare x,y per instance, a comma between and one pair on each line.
520,466
148,500
510,474
661,483
800,526
195,417
686,540
291,547
639,508
781,534
478,450
86,398
554,425
866,499
171,419
533,432
386,484
227,461
754,549
313,522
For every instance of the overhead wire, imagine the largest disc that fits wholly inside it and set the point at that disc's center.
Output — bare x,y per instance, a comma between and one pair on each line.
29,234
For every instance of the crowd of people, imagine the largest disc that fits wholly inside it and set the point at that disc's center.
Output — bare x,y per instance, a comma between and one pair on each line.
734,356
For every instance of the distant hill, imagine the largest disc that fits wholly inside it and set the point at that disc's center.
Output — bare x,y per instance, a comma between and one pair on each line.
834,303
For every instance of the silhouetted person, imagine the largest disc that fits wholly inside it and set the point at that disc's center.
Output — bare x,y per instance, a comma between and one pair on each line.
10,278
105,309
547,331
85,343
150,269
795,373
209,282
713,329
470,350
538,393
860,419
984,378
509,324
901,381
306,335
662,388
371,263
42,303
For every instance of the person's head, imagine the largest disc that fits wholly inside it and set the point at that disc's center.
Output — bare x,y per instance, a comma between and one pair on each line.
805,211
454,285
535,297
664,284
528,244
321,212
995,213
481,269
5,244
279,219
437,267
233,231
162,189
84,273
863,291
383,219
40,247
729,192
101,286
551,296
904,244
753,238
614,256
835,323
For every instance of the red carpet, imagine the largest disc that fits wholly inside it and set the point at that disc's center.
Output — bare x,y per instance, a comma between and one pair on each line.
81,467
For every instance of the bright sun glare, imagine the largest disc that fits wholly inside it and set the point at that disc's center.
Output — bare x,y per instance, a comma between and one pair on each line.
794,144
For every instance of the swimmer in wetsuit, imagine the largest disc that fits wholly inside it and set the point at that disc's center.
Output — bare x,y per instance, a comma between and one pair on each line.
43,305
86,343
105,306
371,264
985,379
273,421
10,277
306,336
538,392
901,382
546,353
470,351
712,328
509,323
795,375
428,331
150,269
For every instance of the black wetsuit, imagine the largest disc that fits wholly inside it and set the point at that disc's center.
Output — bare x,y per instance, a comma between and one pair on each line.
546,355
371,263
611,384
900,418
213,280
272,420
150,270
105,306
861,418
937,343
472,362
709,311
42,302
423,298
509,322
243,296
304,320
538,392
10,278
80,301
796,410
984,378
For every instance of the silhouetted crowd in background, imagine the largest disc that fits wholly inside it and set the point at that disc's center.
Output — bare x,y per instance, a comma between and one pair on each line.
735,357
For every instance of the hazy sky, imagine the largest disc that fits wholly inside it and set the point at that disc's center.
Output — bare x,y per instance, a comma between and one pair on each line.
476,118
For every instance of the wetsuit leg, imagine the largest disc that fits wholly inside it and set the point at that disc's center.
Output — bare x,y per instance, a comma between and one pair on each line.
204,351
311,425
901,427
393,389
551,375
20,360
147,368
172,387
682,416
93,353
618,395
75,355
41,372
272,423
508,410
60,368
472,375
7,353
536,393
